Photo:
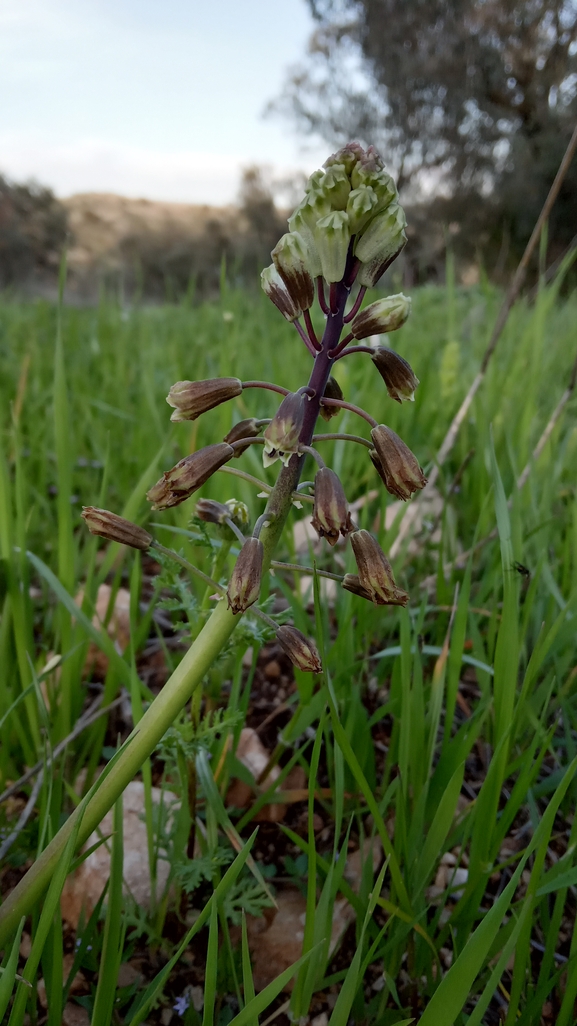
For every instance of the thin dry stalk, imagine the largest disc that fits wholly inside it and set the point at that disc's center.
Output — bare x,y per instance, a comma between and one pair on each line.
512,295
461,560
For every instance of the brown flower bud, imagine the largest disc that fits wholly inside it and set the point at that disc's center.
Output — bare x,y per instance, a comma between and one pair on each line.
330,514
248,428
108,525
218,512
348,156
397,374
384,315
332,391
212,512
291,260
301,651
277,292
395,463
244,585
352,583
375,572
188,475
282,436
191,398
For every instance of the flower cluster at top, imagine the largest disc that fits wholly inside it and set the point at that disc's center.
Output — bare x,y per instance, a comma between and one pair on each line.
343,236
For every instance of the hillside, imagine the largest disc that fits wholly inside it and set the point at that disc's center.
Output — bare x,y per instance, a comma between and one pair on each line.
100,223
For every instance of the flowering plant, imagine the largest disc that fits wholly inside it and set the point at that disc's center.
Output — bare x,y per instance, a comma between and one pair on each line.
344,234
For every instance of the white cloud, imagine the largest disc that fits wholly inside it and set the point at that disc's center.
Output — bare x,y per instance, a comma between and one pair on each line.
146,99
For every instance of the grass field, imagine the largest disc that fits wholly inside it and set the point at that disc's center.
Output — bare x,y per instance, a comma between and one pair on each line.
446,732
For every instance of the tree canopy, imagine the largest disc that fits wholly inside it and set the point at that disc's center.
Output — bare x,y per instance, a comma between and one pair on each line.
463,96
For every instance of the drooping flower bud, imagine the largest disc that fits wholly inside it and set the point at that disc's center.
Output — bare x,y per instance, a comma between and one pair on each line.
330,513
380,243
361,206
383,232
301,651
375,571
212,512
370,162
238,512
395,463
291,260
332,237
397,374
191,398
277,292
312,207
335,186
385,315
244,585
379,180
282,435
108,525
248,428
188,475
352,583
332,391
304,221
218,512
348,156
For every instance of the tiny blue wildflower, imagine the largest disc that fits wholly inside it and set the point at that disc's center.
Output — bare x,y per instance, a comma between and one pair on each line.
181,1004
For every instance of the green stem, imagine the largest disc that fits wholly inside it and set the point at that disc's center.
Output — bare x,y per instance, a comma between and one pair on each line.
139,746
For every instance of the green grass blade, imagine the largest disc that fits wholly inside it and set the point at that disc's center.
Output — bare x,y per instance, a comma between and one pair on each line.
8,975
264,998
247,978
369,797
147,999
211,970
216,804
49,909
437,832
99,637
454,989
111,945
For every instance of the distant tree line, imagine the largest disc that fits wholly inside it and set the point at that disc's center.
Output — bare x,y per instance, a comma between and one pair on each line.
33,226
149,263
168,264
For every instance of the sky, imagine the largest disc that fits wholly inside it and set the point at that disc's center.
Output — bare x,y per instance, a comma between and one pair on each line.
162,99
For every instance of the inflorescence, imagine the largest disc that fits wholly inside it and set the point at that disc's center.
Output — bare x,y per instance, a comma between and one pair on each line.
343,236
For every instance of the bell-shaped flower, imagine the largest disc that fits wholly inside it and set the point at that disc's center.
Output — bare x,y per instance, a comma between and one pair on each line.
384,315
375,571
396,464
397,374
282,435
244,585
188,475
191,398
